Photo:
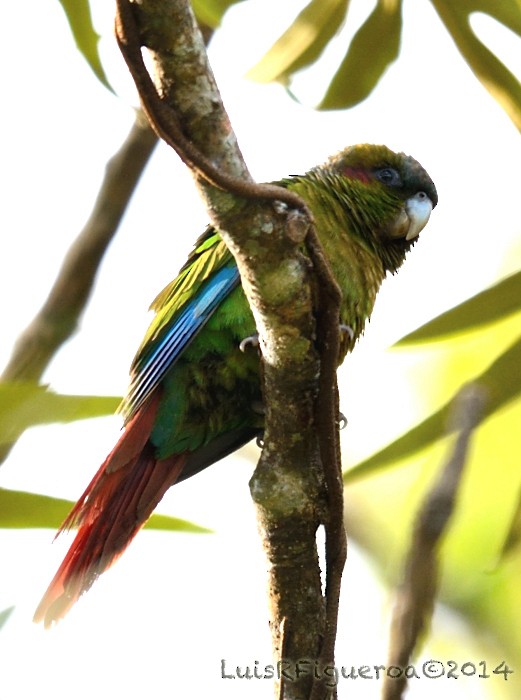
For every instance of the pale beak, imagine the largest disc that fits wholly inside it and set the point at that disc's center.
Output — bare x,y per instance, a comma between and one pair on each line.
413,217
418,210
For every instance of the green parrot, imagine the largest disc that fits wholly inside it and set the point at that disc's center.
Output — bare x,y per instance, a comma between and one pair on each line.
195,392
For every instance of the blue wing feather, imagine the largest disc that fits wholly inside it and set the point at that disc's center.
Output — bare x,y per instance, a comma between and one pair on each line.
152,366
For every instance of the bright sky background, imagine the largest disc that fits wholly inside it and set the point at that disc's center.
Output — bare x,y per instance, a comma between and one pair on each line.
167,613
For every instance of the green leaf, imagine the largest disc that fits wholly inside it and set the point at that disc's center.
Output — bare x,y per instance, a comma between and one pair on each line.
489,306
501,382
25,404
211,12
302,43
4,615
166,522
85,36
508,13
373,48
24,510
504,87
19,509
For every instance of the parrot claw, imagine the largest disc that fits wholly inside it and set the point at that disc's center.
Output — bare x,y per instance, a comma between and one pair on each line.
252,340
342,421
259,440
347,329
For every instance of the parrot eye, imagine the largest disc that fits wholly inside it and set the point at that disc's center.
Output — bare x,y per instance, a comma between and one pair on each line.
389,176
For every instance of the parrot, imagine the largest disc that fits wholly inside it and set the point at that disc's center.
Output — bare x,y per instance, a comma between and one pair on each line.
195,391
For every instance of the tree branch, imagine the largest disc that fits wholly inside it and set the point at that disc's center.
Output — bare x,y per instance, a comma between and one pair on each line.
415,598
327,421
298,475
58,318
167,125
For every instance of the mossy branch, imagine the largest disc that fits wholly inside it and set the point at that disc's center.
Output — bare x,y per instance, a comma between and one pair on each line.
297,484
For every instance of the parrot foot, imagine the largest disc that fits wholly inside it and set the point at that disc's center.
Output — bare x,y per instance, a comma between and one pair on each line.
342,421
252,340
347,329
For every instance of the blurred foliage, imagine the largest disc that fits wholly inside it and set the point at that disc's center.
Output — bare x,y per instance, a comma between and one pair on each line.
376,45
373,48
501,379
476,327
86,38
489,306
303,42
211,12
493,74
477,341
19,509
24,404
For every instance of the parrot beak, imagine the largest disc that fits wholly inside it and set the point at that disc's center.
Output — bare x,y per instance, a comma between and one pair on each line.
413,217
418,209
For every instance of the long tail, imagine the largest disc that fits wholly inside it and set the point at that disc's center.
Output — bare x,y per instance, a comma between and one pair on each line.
115,505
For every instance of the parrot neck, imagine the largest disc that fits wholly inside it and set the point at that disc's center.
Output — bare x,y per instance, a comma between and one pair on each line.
351,221
357,208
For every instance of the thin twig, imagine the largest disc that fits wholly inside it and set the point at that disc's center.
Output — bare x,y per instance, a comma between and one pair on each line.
513,536
415,599
328,328
58,318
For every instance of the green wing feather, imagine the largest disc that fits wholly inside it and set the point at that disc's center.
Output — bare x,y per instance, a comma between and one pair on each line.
208,256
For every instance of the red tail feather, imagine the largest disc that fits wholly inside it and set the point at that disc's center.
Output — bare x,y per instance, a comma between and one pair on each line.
116,504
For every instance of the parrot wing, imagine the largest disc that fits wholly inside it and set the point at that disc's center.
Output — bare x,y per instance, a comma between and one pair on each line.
182,309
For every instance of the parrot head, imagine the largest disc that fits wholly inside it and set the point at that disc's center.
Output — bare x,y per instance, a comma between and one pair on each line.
389,195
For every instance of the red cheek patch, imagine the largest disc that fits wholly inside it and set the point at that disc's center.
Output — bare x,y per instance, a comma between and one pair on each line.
359,174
